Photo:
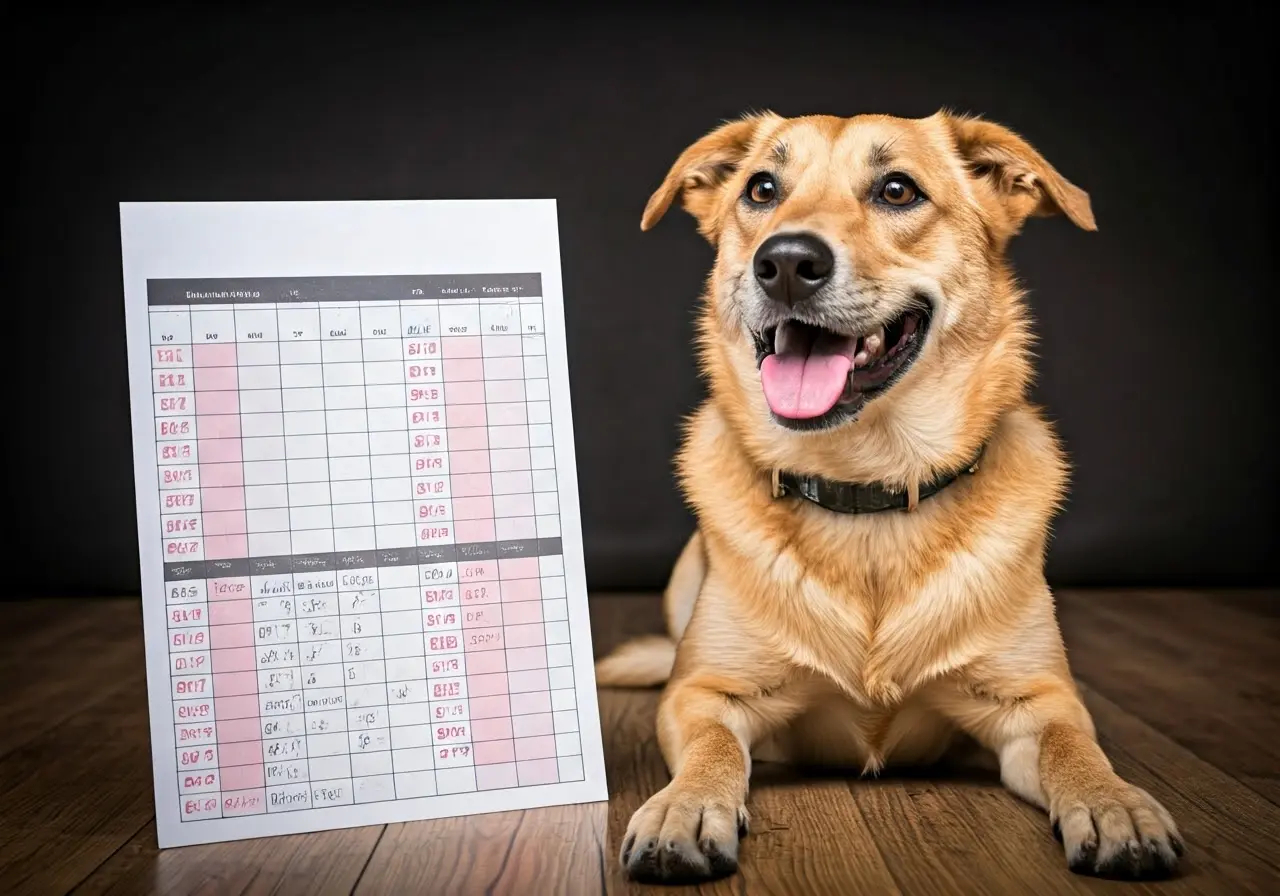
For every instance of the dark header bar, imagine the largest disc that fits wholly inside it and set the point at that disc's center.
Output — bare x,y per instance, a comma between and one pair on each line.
420,556
264,290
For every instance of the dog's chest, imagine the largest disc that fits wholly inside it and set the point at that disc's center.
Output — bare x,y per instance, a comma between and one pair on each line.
877,648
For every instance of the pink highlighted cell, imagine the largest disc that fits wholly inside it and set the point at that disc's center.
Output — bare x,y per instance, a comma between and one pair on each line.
235,684
221,475
497,368
244,802
490,707
478,508
223,426
494,751
225,547
231,623
526,658
515,636
537,725
536,748
226,708
473,530
454,394
471,484
532,703
235,730
537,771
528,680
519,568
495,391
216,379
468,462
478,595
231,498
496,777
491,729
521,589
482,639
461,347
463,369
482,615
478,571
471,438
486,685
225,522
486,662
218,451
234,659
216,403
243,777
214,354
522,612
467,415
241,753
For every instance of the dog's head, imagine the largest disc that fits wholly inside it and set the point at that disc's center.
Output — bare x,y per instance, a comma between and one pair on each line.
860,271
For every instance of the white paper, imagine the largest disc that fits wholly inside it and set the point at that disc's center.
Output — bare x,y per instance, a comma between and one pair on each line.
362,575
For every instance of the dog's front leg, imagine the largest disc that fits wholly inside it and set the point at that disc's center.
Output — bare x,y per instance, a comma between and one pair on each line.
689,830
1049,755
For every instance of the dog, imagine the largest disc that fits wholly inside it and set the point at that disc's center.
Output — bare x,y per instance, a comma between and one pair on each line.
873,490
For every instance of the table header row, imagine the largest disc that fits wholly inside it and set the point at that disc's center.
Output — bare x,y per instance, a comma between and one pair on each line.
257,290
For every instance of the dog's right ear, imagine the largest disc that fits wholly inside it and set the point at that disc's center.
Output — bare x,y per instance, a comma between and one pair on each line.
701,170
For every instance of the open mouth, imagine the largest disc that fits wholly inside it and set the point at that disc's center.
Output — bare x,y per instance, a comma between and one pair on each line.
814,377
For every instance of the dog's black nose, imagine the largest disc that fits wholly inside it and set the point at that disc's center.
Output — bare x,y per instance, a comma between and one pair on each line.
792,266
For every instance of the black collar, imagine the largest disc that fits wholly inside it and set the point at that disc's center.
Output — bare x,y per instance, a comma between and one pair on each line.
852,497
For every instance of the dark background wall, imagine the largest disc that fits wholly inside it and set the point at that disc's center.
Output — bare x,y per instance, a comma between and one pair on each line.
1158,332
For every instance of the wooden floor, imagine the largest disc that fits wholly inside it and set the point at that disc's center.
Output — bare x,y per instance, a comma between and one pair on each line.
1184,688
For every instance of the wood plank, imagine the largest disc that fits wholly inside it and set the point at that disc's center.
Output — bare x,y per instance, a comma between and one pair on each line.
556,849
318,864
62,665
74,795
1232,833
1202,673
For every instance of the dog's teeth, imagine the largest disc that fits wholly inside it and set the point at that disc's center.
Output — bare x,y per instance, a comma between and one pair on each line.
861,359
873,343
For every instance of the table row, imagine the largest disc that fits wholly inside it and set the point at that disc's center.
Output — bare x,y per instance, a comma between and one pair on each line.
381,788
352,323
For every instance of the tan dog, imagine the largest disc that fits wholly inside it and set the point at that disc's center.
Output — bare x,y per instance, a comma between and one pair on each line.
862,326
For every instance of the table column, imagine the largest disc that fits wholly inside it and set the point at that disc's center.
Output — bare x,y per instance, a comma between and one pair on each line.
324,694
305,442
555,606
213,356
523,638
283,731
365,677
408,696
262,446
186,597
231,635
450,732
348,470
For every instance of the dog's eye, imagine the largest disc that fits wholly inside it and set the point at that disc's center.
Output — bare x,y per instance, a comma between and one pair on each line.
762,189
899,191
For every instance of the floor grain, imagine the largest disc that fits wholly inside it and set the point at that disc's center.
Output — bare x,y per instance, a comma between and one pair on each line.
1183,687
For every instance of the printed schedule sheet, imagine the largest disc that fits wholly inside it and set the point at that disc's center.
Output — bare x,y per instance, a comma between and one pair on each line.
364,597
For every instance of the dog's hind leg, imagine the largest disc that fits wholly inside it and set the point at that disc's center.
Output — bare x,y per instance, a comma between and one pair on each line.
646,661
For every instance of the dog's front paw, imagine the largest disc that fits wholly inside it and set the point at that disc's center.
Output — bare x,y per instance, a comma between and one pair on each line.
683,836
1119,832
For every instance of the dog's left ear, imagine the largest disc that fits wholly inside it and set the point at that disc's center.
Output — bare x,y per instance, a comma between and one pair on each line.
1022,180
700,172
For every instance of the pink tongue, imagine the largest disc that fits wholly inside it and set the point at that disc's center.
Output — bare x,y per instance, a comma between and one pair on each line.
800,385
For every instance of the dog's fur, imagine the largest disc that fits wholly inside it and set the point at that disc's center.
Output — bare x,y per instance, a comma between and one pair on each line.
797,634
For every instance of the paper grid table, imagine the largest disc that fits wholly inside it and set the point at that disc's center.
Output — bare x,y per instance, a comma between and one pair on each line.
363,586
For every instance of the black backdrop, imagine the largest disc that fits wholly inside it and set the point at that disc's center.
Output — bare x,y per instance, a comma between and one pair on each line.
1157,332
